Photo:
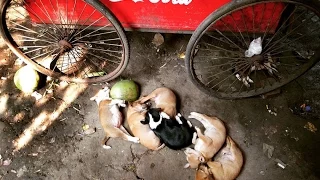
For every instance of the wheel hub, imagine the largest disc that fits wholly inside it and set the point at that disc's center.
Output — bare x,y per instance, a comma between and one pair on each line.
64,45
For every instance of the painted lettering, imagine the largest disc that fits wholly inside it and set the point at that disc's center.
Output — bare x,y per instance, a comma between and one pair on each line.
180,2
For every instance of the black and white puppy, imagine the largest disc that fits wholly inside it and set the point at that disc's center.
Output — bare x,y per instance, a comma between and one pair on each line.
175,133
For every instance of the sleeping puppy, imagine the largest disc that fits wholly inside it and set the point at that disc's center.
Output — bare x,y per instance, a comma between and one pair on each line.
209,143
175,133
164,99
111,117
226,165
135,113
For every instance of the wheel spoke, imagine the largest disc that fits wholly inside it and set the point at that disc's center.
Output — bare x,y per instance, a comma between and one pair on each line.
88,35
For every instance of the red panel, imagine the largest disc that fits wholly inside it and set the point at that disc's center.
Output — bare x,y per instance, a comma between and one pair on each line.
259,18
155,14
168,16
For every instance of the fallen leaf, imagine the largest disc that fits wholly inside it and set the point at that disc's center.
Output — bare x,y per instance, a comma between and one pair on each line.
158,39
85,127
182,55
268,148
310,127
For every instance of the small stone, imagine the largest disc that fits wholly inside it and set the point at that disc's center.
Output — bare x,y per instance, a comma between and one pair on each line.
152,165
90,131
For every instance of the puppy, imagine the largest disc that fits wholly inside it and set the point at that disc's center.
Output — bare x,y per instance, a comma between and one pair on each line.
111,117
209,143
175,133
135,113
164,99
226,165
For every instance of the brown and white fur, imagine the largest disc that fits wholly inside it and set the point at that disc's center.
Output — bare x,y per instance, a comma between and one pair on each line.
207,144
226,165
164,98
111,118
137,112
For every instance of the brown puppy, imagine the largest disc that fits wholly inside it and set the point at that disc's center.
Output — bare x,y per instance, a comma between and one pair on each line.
226,165
164,99
137,112
111,117
209,143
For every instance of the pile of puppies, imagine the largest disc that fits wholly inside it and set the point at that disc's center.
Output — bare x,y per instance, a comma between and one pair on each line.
162,126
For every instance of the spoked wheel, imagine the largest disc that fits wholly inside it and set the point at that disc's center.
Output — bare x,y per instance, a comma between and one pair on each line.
247,48
72,40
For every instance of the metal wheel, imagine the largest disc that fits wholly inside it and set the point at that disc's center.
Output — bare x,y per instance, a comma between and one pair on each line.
247,48
73,40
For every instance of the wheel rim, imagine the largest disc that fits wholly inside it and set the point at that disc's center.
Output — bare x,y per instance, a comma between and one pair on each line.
68,39
290,46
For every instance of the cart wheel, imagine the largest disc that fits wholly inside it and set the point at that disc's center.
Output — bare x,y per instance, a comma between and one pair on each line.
248,48
73,40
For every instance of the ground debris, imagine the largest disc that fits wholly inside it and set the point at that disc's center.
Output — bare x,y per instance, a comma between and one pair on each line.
182,55
158,39
273,112
89,131
36,95
309,126
6,162
21,171
269,149
280,163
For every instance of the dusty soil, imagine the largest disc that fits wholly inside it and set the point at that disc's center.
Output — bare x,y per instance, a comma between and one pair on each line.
60,149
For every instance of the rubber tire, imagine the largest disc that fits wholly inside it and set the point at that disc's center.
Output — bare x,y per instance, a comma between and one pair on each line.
216,15
103,10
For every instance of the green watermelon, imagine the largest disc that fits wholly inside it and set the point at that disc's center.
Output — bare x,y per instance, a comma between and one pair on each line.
26,79
126,90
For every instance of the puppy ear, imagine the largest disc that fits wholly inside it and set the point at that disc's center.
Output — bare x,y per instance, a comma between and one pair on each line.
186,166
144,122
201,159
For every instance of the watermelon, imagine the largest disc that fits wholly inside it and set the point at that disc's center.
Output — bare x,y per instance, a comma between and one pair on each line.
126,90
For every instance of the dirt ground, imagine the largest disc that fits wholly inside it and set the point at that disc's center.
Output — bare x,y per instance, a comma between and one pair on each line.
60,149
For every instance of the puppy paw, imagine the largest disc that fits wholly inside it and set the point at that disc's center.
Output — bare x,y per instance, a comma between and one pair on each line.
106,147
186,166
164,115
135,140
187,150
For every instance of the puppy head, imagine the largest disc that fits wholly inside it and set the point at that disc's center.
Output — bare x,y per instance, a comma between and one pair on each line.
231,152
153,118
203,173
194,158
103,94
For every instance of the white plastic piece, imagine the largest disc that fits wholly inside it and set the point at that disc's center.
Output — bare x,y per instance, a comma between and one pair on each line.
255,48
